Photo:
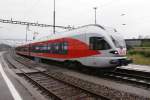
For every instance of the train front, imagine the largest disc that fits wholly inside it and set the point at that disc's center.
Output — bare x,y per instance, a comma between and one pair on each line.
119,51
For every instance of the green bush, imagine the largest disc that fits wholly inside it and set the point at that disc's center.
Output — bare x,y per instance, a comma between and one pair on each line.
146,44
143,52
132,52
147,54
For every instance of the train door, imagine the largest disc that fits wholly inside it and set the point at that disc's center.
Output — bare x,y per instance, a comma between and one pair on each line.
89,59
99,44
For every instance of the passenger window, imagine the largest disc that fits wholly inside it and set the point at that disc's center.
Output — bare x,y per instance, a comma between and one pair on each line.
58,48
98,43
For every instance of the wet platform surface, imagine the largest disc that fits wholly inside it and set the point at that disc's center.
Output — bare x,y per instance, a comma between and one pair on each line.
5,92
10,87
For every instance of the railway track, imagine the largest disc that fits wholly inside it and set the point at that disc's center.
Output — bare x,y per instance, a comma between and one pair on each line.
56,89
88,93
131,76
51,87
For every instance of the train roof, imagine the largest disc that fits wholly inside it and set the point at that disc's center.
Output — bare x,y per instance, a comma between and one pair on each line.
92,28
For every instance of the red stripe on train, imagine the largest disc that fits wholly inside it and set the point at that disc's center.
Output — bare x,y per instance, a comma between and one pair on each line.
76,49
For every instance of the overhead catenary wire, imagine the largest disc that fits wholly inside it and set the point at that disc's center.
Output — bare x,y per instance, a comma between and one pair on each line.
29,23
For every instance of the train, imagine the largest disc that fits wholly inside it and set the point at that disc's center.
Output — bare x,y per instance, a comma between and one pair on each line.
90,45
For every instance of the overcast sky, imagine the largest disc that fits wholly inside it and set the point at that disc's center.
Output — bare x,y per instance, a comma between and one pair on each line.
76,13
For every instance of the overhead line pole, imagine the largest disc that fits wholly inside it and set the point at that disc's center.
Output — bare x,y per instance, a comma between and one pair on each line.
54,19
95,8
27,27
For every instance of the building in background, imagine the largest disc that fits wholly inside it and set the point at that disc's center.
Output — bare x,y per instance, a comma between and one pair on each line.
137,43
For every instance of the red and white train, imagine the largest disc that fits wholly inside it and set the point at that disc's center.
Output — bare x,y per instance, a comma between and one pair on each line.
90,45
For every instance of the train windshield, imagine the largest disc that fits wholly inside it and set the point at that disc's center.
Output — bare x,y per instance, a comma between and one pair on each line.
118,41
98,43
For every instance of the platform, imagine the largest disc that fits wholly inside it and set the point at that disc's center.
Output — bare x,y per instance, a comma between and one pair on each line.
143,68
5,93
10,87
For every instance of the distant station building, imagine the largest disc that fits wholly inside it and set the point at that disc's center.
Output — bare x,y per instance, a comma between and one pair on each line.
138,42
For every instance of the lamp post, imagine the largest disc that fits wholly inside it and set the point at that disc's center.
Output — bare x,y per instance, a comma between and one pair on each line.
123,14
54,18
95,8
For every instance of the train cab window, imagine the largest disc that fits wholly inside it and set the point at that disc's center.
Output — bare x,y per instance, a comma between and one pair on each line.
98,43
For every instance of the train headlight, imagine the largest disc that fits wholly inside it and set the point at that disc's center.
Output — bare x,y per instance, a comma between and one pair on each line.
114,52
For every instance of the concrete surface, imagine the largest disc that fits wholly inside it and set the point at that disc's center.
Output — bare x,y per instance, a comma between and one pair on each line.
144,68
